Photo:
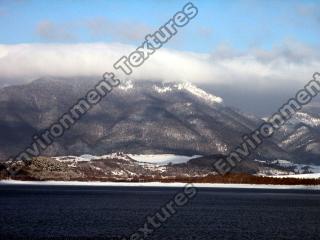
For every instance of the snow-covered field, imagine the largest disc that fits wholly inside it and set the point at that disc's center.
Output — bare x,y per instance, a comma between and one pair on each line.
162,159
301,176
157,159
157,184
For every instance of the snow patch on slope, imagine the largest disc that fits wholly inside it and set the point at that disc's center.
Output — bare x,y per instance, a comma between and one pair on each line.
186,86
126,85
162,89
308,120
294,137
198,92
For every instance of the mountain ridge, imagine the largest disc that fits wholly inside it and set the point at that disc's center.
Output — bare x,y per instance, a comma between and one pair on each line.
137,117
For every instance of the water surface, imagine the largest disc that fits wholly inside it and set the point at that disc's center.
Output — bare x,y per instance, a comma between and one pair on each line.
83,212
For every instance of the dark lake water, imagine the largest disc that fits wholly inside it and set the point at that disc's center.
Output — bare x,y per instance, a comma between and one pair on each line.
82,212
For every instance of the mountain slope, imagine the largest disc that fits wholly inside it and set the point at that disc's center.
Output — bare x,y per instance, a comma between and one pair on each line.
137,117
301,135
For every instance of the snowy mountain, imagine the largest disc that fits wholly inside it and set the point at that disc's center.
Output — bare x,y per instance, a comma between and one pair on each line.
138,117
301,135
145,117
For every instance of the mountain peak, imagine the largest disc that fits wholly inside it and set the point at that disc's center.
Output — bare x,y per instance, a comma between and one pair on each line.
198,92
168,87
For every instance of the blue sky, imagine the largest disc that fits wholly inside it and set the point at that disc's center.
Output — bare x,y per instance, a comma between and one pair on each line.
238,24
254,54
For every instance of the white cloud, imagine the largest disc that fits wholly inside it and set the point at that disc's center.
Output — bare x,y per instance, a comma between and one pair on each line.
256,69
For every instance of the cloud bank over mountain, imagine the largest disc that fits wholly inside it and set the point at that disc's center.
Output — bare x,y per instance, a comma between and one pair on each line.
289,65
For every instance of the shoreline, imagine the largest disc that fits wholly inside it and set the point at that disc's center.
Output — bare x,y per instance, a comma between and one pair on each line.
157,184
